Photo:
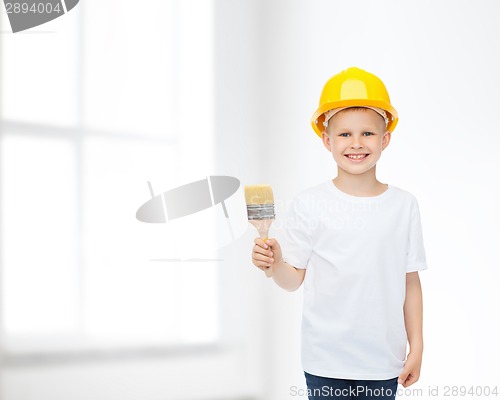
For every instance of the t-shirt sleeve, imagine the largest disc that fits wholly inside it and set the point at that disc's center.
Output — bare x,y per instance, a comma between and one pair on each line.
415,260
296,235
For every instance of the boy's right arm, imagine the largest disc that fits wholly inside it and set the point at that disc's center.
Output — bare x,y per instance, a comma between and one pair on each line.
268,255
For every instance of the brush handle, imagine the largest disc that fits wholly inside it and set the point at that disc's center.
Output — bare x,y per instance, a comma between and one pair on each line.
262,226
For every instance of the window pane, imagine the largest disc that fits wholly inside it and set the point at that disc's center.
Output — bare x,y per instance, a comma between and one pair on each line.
196,81
130,66
129,297
147,73
39,72
38,217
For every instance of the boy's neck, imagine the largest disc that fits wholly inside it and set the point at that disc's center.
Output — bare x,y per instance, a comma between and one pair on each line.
362,185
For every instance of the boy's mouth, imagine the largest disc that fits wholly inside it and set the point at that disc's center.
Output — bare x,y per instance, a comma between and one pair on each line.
357,157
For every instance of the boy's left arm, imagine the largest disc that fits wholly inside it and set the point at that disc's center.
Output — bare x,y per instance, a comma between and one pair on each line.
413,314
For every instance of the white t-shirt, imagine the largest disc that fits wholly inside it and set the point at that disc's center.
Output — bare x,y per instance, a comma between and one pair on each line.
357,251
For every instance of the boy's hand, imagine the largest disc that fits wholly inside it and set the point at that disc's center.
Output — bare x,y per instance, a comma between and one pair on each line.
266,254
411,370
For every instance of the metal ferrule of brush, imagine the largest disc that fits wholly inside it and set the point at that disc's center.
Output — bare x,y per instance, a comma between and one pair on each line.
260,211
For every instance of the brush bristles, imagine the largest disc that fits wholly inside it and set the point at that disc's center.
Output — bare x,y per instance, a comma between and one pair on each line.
259,194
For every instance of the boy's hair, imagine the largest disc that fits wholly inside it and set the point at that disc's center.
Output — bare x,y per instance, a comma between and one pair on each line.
330,113
354,108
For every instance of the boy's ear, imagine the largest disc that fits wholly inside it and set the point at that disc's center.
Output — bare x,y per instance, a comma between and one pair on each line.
326,140
386,139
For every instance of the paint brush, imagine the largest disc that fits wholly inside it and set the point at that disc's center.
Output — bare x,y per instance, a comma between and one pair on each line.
260,209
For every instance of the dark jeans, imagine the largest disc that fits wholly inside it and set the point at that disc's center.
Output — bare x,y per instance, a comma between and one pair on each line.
320,388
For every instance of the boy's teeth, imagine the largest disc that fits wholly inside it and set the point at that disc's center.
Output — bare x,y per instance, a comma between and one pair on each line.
356,156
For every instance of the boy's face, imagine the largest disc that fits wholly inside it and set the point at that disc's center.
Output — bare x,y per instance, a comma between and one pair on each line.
356,139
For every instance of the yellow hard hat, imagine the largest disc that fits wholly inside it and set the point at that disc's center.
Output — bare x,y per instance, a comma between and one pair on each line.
353,87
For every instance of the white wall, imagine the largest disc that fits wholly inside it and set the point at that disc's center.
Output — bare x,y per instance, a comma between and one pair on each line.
439,61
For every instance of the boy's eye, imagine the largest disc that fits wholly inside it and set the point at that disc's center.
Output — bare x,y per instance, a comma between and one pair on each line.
364,134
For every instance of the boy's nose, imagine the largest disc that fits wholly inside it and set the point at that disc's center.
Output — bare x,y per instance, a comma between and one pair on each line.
356,143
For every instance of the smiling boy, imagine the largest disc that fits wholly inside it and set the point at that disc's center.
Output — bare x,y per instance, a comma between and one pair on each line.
357,246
